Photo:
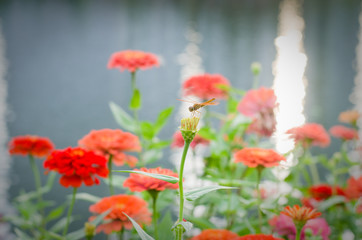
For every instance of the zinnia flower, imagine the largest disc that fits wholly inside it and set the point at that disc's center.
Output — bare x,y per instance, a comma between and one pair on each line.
216,234
138,182
131,205
205,86
258,237
115,142
343,132
77,166
300,214
310,134
178,141
259,104
132,60
324,191
354,188
350,116
30,145
253,157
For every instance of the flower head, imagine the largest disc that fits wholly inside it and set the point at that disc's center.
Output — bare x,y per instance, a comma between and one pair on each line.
258,237
216,234
310,134
30,145
131,205
205,86
324,191
115,142
253,157
354,188
255,68
343,132
300,214
138,182
77,166
350,116
132,60
178,141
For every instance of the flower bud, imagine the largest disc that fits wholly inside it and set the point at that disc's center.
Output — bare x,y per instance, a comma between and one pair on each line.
89,230
189,128
255,68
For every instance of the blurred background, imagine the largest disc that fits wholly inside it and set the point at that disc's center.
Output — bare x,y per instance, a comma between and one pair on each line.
54,81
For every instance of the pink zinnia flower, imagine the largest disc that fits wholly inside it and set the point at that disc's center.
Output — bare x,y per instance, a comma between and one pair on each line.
178,141
132,60
113,142
310,134
343,132
205,86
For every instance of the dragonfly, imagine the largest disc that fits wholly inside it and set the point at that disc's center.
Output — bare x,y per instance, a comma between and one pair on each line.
194,108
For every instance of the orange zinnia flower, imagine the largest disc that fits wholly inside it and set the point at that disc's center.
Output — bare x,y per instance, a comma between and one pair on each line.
30,145
350,116
310,133
205,86
343,132
132,60
354,188
138,182
216,234
77,166
253,157
131,205
113,142
259,237
300,214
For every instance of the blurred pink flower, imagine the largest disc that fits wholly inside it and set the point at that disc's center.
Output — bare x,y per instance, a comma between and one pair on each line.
354,188
344,133
205,86
132,60
178,141
310,134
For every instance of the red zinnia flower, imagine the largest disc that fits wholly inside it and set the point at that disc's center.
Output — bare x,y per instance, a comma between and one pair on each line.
350,116
259,237
77,165
131,205
30,145
205,86
343,132
138,182
216,234
132,60
253,157
310,133
113,142
178,141
300,214
325,191
354,188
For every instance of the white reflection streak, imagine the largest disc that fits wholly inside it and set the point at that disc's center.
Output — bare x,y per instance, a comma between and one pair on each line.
288,69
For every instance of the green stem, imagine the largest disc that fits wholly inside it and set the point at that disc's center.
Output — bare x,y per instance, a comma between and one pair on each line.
255,82
36,177
154,195
111,189
120,234
260,217
298,227
70,211
314,172
179,230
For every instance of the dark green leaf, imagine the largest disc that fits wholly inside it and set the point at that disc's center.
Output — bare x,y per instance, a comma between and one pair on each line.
207,133
143,235
166,178
162,119
200,191
147,130
122,118
135,100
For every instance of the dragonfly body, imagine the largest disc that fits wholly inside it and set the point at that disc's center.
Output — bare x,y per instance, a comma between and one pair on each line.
197,105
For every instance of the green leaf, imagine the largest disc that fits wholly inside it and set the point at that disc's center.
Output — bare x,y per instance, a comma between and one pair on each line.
232,105
330,202
207,133
200,191
202,223
122,118
160,144
166,178
143,235
147,130
164,227
22,235
87,197
152,155
135,100
57,212
162,119
60,224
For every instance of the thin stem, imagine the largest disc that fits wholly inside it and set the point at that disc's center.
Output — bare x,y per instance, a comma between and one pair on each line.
36,177
120,234
314,172
260,218
255,82
179,230
154,195
70,211
111,189
298,227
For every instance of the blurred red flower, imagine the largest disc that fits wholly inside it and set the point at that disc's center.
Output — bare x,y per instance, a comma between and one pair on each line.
115,142
343,132
30,145
354,188
138,182
205,86
259,104
350,116
310,134
216,234
300,214
178,141
324,191
258,237
253,157
132,60
77,166
131,205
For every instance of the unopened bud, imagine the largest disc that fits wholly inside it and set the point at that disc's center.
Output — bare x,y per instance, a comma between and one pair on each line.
255,68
